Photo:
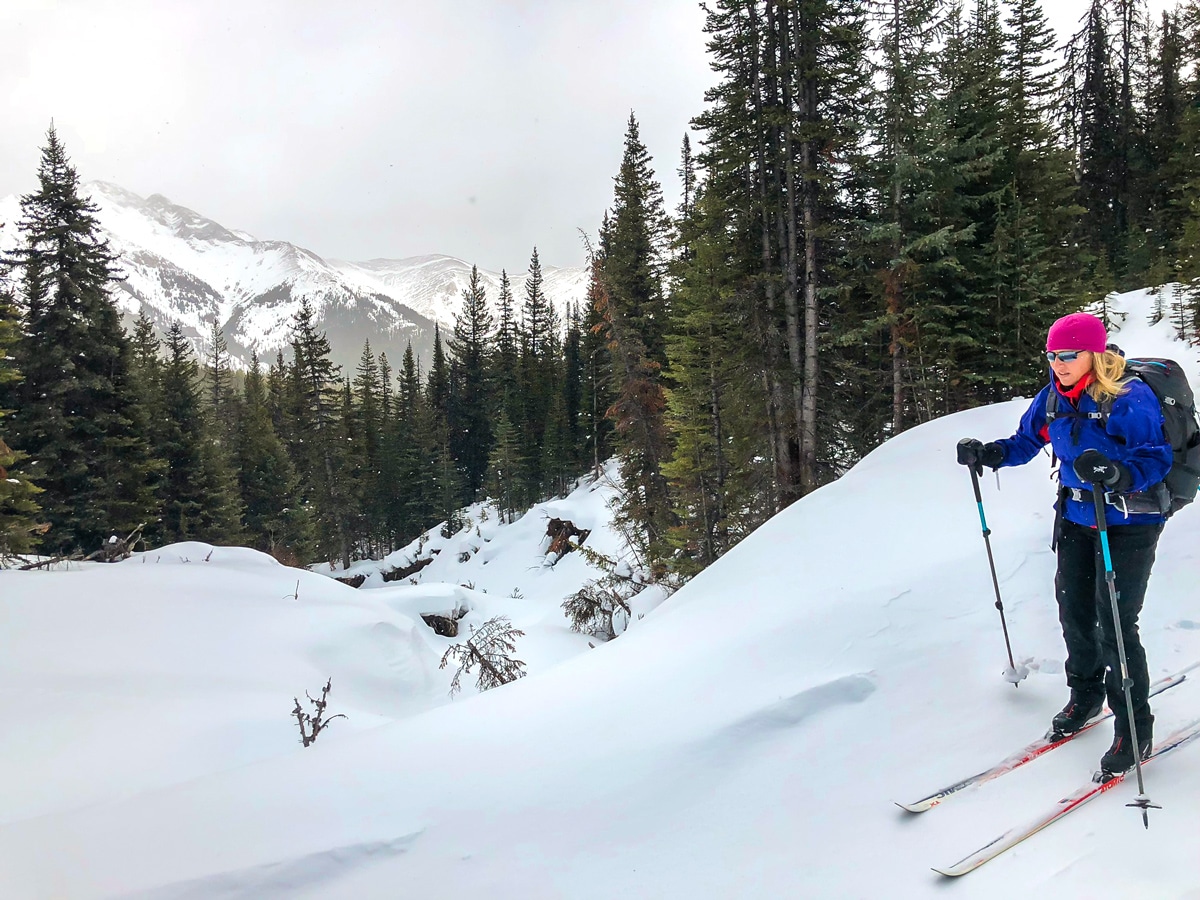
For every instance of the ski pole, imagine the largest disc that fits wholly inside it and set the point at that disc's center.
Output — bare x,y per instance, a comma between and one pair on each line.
1012,666
1142,802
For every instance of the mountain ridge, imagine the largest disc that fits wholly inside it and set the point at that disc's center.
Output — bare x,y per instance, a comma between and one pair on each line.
178,265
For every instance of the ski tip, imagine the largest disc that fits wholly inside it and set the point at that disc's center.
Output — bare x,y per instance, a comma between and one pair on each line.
913,807
947,873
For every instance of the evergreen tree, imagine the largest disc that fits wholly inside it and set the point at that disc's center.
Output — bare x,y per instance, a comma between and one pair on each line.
1101,126
278,383
576,458
145,364
217,375
1185,193
199,499
438,387
315,432
634,314
722,480
1167,166
472,400
635,246
440,485
1039,281
505,352
366,440
19,527
276,521
75,412
557,466
504,483
539,348
416,501
596,372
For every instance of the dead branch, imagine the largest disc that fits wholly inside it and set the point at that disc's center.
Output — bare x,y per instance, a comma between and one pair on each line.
313,725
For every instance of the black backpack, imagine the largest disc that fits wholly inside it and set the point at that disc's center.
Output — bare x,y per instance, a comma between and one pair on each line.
1170,385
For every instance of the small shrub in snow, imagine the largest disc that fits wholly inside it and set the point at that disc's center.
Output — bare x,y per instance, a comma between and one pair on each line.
598,608
453,525
313,725
490,649
601,606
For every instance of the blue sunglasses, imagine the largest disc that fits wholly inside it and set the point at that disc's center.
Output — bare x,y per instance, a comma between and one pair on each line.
1064,355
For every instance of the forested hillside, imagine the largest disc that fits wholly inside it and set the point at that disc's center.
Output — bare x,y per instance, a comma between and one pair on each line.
882,210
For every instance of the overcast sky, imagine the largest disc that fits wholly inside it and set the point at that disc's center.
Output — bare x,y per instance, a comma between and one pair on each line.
475,128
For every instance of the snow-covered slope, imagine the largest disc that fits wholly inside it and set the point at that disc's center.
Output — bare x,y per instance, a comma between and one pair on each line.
179,266
745,739
434,285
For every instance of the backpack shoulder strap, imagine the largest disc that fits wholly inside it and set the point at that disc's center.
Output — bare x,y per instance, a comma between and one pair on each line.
1105,407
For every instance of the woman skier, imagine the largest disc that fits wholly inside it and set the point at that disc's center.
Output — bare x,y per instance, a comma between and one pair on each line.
1128,455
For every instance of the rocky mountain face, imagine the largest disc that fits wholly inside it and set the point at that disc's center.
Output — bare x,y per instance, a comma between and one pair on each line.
178,266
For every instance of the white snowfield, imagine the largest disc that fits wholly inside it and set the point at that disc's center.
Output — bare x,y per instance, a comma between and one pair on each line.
746,738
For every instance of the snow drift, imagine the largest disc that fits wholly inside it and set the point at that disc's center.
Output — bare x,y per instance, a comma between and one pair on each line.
746,738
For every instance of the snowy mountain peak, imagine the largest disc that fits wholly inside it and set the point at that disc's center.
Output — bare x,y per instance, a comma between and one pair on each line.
181,266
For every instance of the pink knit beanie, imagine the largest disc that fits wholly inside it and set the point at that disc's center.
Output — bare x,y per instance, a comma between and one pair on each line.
1078,331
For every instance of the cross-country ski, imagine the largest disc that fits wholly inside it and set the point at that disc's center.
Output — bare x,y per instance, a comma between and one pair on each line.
1032,751
1065,806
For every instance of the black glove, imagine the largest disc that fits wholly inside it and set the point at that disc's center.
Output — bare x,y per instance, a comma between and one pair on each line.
1092,466
976,454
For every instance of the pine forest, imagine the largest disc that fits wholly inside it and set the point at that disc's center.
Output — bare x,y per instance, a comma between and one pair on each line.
884,206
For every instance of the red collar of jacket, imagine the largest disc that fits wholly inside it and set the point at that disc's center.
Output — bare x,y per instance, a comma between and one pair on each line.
1074,392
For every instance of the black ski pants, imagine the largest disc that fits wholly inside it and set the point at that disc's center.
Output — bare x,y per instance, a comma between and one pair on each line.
1085,611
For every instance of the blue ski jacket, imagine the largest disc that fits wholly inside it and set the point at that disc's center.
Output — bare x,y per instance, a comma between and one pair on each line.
1134,438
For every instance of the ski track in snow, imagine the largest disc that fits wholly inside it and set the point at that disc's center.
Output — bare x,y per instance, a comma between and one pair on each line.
281,879
789,713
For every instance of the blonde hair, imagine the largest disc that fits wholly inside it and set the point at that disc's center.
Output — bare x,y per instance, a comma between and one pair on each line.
1108,370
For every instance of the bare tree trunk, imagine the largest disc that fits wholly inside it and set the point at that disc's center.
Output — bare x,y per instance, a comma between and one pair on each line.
893,290
718,513
784,473
790,225
806,40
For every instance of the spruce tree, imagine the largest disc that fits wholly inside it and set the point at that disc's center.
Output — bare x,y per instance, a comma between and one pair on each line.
75,412
504,483
1096,124
439,376
366,452
505,351
315,435
198,492
721,476
539,344
596,372
572,393
634,314
1039,204
222,401
471,409
19,526
145,362
276,520
1167,166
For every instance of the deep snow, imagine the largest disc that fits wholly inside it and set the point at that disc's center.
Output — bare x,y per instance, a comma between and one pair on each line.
745,738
